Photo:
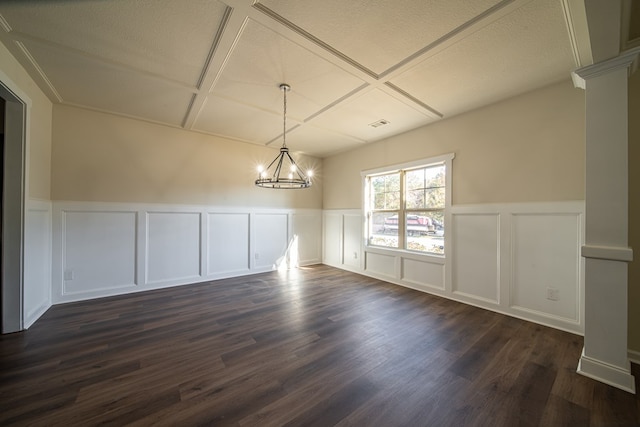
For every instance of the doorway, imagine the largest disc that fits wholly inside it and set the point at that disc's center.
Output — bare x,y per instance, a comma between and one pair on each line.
14,120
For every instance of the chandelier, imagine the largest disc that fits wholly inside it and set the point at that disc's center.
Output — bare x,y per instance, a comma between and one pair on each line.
283,172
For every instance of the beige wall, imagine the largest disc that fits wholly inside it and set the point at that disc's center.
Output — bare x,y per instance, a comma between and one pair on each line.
634,211
527,148
102,157
39,124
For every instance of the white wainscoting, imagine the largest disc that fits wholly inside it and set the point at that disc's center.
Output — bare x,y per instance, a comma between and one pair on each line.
223,257
173,247
37,261
104,249
521,259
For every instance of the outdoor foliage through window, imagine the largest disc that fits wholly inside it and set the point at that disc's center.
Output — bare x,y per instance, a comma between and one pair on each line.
406,209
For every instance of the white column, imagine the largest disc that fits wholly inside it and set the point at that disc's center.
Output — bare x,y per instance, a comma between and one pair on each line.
606,251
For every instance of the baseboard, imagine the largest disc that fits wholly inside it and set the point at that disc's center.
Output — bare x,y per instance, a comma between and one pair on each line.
606,373
36,314
634,356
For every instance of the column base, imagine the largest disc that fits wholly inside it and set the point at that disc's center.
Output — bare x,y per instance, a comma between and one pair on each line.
608,374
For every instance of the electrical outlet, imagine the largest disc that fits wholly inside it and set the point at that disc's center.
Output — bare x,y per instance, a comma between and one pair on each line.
355,255
257,255
68,275
553,294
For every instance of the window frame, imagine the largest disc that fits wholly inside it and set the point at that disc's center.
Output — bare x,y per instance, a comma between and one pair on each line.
447,161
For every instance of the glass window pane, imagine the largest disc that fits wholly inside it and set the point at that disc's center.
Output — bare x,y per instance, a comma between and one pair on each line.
385,191
415,199
435,198
378,201
415,179
425,231
393,182
377,184
434,176
383,229
392,200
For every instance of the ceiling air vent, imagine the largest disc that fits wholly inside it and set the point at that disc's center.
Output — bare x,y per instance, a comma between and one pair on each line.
379,123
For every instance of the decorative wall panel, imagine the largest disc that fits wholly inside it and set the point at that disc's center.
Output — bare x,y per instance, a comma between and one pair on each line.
98,251
377,263
271,239
423,273
228,243
173,246
332,239
103,249
476,256
308,228
352,240
37,258
545,270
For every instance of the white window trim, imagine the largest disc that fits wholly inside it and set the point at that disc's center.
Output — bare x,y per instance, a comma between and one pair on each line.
447,160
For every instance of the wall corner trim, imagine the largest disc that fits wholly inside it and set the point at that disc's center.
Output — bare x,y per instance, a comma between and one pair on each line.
611,253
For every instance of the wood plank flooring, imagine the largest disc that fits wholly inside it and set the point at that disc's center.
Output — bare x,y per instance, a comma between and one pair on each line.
316,346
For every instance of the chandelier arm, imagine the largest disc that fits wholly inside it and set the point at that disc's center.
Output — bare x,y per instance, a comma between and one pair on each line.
293,162
276,172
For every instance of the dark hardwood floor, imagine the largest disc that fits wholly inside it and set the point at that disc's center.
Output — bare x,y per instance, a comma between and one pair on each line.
312,347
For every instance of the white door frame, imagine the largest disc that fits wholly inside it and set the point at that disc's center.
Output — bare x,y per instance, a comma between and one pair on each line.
13,215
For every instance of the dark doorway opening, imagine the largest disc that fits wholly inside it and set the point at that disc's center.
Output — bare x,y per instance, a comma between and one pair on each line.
14,127
2,119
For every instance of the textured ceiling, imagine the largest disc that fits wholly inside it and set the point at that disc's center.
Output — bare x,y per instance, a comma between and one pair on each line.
215,66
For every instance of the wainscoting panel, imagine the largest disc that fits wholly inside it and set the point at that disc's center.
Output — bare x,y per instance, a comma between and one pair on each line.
37,258
271,238
308,228
173,246
520,259
332,239
381,264
351,252
476,256
423,273
98,251
228,243
103,249
546,269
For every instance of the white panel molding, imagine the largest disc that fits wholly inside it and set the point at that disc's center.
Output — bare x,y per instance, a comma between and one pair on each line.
97,251
308,227
352,230
499,277
270,238
623,254
227,226
381,264
37,281
476,256
534,272
174,246
421,273
197,264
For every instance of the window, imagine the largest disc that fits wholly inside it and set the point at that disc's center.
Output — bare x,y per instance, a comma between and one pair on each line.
406,206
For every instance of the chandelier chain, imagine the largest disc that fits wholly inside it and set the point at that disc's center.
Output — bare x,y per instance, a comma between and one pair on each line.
284,121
